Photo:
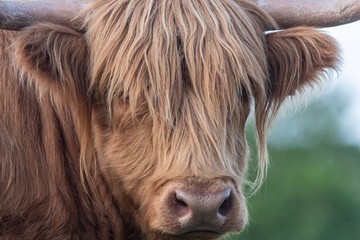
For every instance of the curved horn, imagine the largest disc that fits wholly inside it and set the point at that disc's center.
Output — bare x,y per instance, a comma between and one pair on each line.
17,14
290,13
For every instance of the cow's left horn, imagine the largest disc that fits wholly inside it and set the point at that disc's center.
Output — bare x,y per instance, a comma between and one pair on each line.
17,14
290,13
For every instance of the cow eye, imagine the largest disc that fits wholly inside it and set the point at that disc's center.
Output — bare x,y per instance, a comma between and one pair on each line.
244,94
124,98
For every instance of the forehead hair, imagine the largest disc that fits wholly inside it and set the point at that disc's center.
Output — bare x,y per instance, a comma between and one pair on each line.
176,55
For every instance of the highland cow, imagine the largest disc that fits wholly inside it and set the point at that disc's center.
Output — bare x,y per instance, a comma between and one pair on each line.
132,124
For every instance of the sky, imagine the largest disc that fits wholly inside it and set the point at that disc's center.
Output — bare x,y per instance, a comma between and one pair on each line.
348,81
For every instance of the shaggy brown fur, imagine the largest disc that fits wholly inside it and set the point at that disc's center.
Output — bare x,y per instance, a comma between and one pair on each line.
96,127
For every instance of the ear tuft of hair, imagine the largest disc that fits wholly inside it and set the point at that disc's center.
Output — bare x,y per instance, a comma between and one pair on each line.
298,57
54,55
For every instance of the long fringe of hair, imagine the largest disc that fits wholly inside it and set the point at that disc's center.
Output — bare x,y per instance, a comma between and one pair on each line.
155,51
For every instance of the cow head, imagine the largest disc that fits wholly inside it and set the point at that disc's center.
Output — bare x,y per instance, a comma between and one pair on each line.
160,92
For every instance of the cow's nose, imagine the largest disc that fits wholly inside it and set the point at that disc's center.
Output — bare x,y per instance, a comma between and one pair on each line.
204,211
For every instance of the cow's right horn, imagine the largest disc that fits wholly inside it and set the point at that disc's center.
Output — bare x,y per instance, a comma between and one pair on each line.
17,14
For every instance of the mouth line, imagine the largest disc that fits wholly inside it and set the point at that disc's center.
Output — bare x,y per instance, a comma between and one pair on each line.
207,231
201,232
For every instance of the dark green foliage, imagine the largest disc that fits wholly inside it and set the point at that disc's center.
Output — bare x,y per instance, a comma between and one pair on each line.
311,194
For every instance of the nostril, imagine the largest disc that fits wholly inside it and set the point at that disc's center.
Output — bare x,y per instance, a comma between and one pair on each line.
180,203
226,206
179,206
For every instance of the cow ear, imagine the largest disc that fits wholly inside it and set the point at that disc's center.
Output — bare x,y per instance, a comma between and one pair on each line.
54,57
298,57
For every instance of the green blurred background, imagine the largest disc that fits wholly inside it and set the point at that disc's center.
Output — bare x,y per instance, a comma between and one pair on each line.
312,191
